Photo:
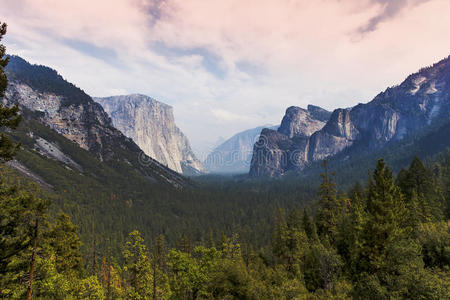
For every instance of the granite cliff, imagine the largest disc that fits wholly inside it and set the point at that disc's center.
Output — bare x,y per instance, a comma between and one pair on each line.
151,125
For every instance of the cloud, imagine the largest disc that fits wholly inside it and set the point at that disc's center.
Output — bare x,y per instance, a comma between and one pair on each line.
108,55
227,66
207,59
389,10
227,116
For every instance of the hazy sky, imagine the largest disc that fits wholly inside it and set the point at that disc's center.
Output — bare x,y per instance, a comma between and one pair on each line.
230,65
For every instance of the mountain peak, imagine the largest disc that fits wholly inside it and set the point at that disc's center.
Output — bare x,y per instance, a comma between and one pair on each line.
300,122
151,125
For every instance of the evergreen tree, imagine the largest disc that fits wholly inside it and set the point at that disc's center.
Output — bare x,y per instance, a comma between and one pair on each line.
160,288
419,179
308,226
322,267
137,268
289,242
387,251
22,218
66,246
330,207
187,279
9,116
387,216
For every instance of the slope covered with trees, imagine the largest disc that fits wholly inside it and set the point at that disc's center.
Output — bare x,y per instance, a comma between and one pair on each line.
387,239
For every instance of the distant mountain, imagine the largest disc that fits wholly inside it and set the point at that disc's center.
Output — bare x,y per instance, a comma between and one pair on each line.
422,100
234,154
44,96
151,125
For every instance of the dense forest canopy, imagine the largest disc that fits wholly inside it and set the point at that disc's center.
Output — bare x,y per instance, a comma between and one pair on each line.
386,239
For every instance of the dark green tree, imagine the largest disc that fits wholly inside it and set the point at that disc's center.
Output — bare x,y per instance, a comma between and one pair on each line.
23,220
387,252
387,217
137,268
65,245
159,268
330,207
289,242
9,116
308,226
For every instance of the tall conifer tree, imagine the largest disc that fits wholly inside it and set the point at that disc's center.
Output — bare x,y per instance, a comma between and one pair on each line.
9,116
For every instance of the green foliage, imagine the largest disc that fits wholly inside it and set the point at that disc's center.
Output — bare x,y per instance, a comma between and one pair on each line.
3,61
9,117
137,269
322,267
435,241
289,242
19,211
186,277
63,240
330,207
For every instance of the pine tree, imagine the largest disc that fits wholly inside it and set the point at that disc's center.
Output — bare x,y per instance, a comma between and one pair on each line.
9,116
22,218
308,226
387,252
417,185
66,246
137,268
387,216
289,242
419,178
330,207
160,288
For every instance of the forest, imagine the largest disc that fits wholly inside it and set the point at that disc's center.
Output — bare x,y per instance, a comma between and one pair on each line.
387,239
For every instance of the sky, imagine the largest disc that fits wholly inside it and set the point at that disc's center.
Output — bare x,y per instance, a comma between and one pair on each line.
230,65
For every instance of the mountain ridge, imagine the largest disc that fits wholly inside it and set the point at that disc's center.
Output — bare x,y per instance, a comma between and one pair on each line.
42,94
416,103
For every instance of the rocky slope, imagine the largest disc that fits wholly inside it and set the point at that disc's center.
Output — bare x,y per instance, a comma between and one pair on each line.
151,125
421,100
234,154
45,96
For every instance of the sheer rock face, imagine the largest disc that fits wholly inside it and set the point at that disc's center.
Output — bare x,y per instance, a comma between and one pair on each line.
285,149
299,122
84,123
423,98
151,125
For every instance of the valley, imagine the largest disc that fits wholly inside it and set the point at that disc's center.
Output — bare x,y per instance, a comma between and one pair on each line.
103,197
